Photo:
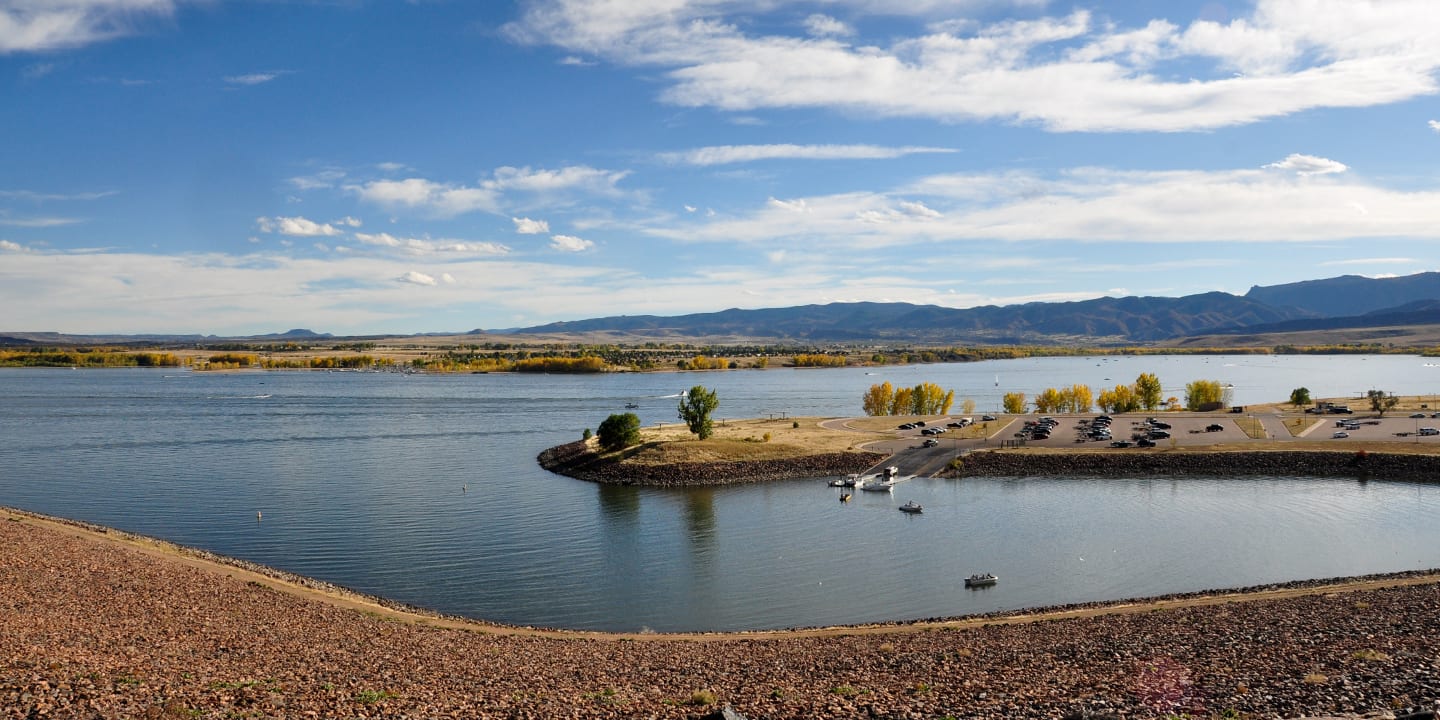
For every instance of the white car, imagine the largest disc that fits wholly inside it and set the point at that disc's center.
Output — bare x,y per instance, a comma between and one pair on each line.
1341,434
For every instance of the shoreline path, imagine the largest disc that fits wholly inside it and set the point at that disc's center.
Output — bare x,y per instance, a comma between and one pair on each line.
99,623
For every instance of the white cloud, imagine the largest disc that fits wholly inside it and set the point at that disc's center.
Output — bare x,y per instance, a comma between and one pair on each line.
40,25
450,200
1372,261
726,154
1435,125
296,227
37,222
8,246
1067,73
38,197
825,26
427,246
418,193
418,278
318,181
348,221
1084,205
526,226
576,61
1308,165
252,78
570,243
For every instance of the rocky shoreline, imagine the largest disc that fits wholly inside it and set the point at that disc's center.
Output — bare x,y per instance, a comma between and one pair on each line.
1275,463
98,627
580,461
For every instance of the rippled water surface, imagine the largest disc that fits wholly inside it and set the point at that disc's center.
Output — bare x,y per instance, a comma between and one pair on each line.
424,489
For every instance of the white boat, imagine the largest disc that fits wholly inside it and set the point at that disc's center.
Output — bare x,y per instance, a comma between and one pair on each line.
911,507
884,481
981,580
847,481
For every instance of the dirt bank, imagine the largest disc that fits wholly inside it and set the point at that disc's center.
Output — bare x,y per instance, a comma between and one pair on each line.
98,627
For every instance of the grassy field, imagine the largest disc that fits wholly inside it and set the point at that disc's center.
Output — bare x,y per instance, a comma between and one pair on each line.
756,439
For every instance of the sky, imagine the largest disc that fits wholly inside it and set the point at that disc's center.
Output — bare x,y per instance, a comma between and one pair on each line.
236,167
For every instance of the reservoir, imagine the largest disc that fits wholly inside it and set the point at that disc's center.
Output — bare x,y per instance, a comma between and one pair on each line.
424,489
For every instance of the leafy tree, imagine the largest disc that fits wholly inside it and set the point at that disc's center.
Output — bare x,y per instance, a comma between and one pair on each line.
1380,401
695,408
1204,395
878,399
620,430
1014,402
1078,398
967,406
1147,391
1119,400
1300,396
903,401
1048,401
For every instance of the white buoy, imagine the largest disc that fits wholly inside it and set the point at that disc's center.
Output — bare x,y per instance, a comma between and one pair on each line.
257,516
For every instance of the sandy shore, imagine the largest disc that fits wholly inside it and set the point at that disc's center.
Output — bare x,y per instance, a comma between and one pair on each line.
106,625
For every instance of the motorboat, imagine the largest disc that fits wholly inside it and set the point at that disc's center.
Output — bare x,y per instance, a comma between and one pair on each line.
632,405
847,481
844,497
981,580
911,507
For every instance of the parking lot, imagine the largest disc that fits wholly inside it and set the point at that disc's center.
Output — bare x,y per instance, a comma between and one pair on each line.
914,456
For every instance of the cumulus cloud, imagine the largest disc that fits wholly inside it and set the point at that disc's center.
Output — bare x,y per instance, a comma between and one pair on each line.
1308,165
8,246
296,227
570,243
418,278
449,200
1435,125
726,154
526,226
427,246
1064,73
28,26
821,25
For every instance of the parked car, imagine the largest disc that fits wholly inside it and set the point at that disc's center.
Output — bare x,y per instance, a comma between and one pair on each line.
1417,415
907,426
1144,442
1121,444
1429,431
1340,434
986,418
931,442
1159,434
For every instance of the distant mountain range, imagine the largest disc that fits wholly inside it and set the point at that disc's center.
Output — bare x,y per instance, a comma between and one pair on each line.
1346,302
1341,302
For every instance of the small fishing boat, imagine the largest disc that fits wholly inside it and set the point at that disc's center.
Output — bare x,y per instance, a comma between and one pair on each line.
844,497
981,580
847,481
911,507
632,405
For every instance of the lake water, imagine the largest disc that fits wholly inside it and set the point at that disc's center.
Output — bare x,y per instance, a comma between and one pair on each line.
424,489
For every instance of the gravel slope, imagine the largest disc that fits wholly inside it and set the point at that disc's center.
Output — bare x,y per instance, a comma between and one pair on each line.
97,627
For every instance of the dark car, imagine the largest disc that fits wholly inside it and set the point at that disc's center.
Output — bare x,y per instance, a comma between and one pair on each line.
1214,428
1145,442
1159,434
932,442
1417,415
907,426
1120,444
987,418
919,423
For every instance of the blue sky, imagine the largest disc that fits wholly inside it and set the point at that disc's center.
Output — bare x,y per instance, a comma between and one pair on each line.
378,166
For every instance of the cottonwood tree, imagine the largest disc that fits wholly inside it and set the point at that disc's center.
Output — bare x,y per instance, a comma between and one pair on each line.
1204,395
695,408
1380,401
878,399
1148,391
1014,402
1300,396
